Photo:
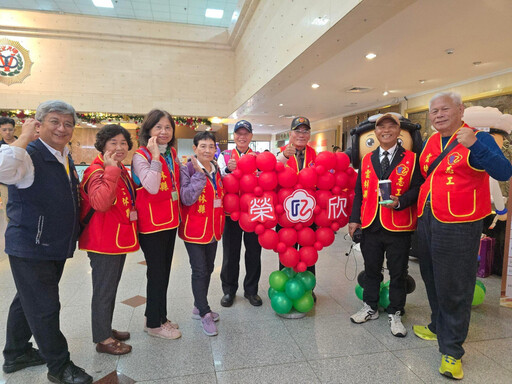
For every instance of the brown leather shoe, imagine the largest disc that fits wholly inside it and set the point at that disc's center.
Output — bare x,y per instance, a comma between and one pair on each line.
114,348
119,335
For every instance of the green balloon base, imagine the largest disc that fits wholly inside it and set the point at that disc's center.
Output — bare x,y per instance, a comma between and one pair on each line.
293,314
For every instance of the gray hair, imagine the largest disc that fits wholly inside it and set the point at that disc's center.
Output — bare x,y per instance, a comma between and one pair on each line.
55,106
452,95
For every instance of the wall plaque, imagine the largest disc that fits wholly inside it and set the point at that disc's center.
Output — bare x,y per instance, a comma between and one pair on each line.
15,62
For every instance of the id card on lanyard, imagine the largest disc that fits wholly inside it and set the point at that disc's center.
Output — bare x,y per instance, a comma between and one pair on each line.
131,191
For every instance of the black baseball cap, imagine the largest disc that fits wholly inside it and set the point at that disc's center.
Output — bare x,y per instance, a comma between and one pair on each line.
298,121
243,124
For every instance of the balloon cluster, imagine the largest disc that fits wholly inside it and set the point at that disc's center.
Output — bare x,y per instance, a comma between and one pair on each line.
479,295
289,289
261,176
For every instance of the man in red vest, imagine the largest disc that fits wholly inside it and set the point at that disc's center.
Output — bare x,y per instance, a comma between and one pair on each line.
456,163
232,238
386,227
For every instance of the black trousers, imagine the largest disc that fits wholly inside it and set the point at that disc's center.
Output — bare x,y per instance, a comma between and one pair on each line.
376,243
158,250
448,254
202,259
35,312
232,245
297,246
106,274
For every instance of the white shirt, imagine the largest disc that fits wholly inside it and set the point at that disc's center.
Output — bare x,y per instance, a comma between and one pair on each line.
16,165
391,153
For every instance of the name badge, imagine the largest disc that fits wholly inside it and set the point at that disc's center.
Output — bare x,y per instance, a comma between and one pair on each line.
133,215
217,203
174,195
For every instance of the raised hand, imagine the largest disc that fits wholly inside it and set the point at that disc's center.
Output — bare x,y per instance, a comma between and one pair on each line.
289,151
195,163
153,148
466,137
108,160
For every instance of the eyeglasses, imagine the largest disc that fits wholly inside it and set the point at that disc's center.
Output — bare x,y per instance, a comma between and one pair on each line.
160,129
302,131
56,123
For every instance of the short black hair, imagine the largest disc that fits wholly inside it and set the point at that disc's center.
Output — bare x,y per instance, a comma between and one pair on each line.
204,135
152,119
108,132
7,120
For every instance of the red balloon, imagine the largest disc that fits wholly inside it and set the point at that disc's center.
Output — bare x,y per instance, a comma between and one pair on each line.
326,159
306,237
258,191
317,209
336,190
309,223
308,255
307,178
268,180
283,221
320,169
279,209
245,222
270,223
260,228
335,226
289,258
298,226
341,179
325,236
279,167
342,161
318,246
268,239
287,178
235,216
300,267
248,182
237,173
322,219
283,194
266,161
322,199
231,184
288,236
247,164
325,181
245,199
281,247
231,202
342,221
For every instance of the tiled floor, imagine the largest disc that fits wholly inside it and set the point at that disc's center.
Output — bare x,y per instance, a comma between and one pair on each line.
256,346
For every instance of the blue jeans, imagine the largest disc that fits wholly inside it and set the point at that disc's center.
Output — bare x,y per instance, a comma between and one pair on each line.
448,254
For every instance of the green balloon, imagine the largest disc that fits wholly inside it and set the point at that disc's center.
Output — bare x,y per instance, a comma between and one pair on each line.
359,292
384,297
308,279
479,283
294,289
479,295
289,272
281,303
271,292
305,303
277,280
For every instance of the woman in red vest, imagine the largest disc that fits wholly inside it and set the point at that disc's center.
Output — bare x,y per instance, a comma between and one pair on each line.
202,222
108,214
156,171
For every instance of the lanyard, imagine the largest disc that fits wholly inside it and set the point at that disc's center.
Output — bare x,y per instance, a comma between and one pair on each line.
129,186
212,179
170,165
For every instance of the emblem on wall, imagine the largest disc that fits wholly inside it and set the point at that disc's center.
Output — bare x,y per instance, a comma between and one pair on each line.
15,62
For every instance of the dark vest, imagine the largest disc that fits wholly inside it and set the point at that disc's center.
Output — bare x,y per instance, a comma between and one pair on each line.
43,219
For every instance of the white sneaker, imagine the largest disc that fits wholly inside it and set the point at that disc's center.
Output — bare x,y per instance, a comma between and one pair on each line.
395,322
366,313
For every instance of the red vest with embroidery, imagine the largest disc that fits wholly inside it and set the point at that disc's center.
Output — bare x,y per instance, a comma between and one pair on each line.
309,158
109,232
201,222
159,212
401,176
458,192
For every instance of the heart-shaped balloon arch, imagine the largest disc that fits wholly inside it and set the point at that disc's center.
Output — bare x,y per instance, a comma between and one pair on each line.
262,193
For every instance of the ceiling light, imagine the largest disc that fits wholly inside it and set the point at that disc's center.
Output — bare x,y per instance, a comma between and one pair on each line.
103,3
371,56
385,93
321,20
315,85
214,13
449,51
235,16
422,81
215,120
281,104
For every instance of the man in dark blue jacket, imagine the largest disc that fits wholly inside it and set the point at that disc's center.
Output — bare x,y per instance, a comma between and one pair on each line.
41,234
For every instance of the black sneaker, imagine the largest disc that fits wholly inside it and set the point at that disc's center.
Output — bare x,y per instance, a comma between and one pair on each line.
28,359
70,374
255,300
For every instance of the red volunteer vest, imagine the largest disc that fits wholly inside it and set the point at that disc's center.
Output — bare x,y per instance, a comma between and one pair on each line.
233,153
109,232
309,158
391,219
201,222
458,192
159,212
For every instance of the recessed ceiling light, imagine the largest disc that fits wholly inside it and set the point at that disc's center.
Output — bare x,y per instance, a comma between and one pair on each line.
315,85
371,56
281,104
103,3
385,93
422,81
215,120
449,51
321,20
214,13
